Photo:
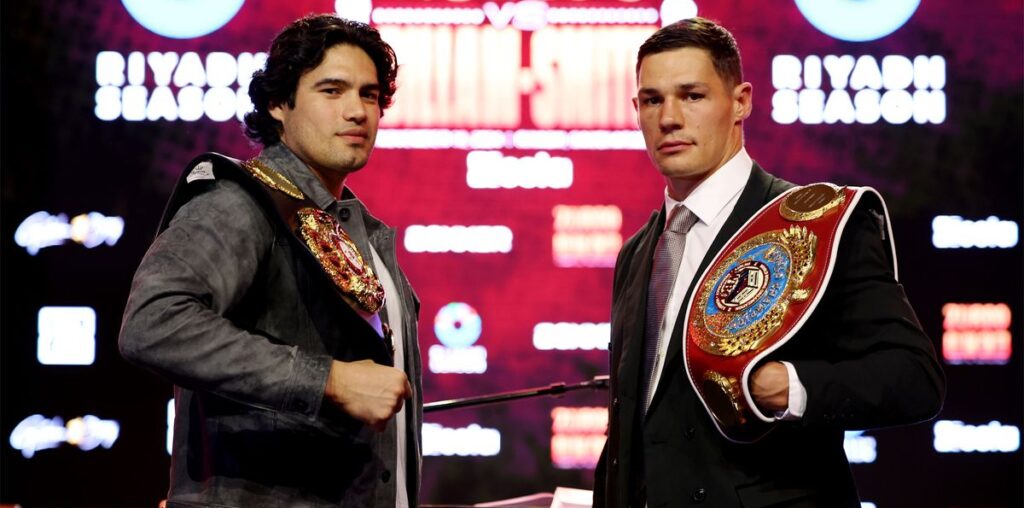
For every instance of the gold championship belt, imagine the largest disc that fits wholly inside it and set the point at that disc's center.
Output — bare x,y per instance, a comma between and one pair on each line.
327,242
757,293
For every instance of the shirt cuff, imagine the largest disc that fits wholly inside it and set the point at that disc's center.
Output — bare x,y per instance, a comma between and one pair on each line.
797,397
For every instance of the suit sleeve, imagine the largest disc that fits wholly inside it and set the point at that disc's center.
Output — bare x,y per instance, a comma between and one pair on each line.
866,362
195,272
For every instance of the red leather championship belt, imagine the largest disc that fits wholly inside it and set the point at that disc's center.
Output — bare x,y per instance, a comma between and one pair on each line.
757,293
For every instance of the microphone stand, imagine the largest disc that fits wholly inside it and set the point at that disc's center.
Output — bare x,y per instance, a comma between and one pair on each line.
597,383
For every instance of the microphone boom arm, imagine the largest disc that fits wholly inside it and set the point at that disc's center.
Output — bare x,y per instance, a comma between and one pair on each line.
597,383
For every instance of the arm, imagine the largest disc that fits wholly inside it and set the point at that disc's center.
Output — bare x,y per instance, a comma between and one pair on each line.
193,275
195,272
865,362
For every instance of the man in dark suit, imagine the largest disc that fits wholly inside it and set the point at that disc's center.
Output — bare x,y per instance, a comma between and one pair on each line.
860,361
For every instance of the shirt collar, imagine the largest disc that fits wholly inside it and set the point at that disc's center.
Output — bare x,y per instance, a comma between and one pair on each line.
712,195
282,159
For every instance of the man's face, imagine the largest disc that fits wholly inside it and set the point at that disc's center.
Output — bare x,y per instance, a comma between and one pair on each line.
690,118
333,125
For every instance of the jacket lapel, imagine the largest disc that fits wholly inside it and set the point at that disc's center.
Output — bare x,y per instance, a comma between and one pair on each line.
633,309
755,194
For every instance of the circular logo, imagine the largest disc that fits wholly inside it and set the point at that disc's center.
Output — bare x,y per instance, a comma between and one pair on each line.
356,10
675,10
457,325
742,286
182,19
857,20
748,289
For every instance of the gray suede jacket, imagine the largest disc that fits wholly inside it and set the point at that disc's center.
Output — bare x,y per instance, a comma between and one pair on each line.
229,307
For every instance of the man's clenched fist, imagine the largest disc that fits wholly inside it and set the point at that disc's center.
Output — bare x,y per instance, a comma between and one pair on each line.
367,391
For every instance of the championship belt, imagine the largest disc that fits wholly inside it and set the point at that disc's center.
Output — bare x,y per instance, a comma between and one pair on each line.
324,238
757,293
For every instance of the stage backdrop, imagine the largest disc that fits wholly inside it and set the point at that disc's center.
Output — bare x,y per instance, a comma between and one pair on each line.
512,169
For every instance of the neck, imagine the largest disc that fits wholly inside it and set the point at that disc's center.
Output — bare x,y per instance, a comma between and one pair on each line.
334,182
680,188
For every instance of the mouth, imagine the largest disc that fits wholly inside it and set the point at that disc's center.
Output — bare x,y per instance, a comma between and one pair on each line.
672,146
356,135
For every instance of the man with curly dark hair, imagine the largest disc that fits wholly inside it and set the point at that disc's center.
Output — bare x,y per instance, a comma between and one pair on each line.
273,300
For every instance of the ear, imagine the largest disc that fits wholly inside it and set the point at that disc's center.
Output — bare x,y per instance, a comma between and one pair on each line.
742,101
277,111
636,108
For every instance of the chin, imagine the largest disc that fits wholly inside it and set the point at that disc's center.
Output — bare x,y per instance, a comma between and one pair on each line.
350,163
684,173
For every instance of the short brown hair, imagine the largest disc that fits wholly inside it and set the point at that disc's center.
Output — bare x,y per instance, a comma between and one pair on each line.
698,33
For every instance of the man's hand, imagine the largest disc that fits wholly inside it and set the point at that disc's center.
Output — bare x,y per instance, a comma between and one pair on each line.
369,392
769,385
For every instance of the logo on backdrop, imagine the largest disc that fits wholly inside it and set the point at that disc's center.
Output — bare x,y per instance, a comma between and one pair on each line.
182,19
67,336
458,326
865,89
857,20
37,433
41,230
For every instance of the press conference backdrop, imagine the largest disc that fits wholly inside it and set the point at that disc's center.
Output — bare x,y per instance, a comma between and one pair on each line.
512,168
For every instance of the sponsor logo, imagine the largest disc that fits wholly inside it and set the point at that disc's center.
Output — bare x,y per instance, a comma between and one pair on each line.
88,432
182,19
857,20
571,336
955,232
67,336
976,333
458,326
577,436
860,449
434,238
953,436
472,440
490,169
586,236
41,230
863,91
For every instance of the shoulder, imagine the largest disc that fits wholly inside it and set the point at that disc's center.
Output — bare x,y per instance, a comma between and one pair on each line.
222,200
221,215
772,183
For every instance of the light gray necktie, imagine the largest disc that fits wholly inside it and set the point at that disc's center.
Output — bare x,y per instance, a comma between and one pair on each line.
667,257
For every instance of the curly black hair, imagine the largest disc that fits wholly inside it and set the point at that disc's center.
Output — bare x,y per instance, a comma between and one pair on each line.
299,48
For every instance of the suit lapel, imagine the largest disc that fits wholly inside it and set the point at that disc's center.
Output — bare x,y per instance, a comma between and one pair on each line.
633,308
754,196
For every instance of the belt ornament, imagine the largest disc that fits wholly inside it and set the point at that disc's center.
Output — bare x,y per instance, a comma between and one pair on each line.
332,247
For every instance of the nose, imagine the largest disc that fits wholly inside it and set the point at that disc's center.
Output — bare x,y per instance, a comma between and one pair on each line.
354,107
670,117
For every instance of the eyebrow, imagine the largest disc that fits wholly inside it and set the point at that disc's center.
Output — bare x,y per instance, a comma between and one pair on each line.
683,87
344,84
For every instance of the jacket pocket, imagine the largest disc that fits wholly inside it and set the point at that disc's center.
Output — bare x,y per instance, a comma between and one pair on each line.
773,495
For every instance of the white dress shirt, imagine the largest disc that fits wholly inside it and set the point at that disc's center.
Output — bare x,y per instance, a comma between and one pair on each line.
712,201
393,304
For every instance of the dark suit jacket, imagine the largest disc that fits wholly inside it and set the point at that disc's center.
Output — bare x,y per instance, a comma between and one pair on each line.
862,357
